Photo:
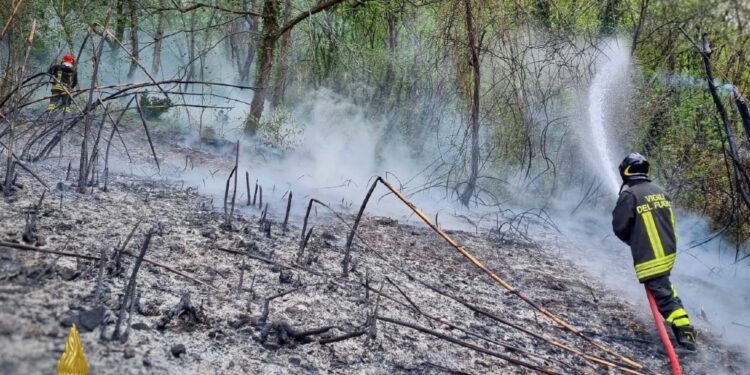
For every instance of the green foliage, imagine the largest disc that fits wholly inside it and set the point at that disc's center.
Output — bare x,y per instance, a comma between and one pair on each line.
281,130
209,133
153,107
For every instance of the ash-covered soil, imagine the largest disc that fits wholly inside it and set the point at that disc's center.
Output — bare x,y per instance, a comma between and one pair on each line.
289,307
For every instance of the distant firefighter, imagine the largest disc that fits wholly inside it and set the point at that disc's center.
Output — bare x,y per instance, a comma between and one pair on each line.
643,218
64,79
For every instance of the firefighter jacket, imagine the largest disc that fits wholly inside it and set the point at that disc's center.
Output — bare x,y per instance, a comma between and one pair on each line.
643,219
63,75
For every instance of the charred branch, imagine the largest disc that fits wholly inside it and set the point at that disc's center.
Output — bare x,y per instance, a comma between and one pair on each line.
130,288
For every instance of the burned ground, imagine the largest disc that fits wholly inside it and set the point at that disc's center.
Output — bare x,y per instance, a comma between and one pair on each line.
241,299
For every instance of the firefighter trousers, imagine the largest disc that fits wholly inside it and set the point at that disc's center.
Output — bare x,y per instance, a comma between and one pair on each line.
59,99
669,304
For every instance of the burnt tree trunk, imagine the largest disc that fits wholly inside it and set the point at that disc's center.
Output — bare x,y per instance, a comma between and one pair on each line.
265,64
191,52
387,87
119,23
83,166
132,12
471,31
252,46
10,163
286,42
158,38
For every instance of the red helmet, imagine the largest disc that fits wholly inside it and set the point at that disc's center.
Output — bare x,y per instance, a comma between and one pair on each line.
68,58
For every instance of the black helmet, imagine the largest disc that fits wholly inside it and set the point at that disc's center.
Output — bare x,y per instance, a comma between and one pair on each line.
634,167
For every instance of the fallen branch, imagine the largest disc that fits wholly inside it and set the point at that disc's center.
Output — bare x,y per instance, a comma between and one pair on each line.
346,336
268,261
452,326
16,246
468,345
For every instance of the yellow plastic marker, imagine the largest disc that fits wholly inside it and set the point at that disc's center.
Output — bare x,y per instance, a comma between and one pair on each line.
72,361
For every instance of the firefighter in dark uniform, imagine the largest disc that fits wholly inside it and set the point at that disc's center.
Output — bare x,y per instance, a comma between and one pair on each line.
643,218
64,79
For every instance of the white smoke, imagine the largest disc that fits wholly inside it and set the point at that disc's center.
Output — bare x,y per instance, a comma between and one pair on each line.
338,155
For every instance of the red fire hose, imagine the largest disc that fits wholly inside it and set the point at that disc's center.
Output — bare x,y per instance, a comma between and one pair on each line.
676,370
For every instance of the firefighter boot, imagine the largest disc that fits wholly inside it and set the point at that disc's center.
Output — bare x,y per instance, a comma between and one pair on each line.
685,336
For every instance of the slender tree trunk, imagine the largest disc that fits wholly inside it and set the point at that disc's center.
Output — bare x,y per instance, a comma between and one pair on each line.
158,38
471,31
7,78
232,46
286,41
10,163
639,26
742,108
83,165
265,64
387,87
191,51
119,23
244,68
132,9
252,46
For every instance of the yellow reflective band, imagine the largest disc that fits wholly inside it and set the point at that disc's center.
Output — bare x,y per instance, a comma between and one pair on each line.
626,172
674,292
654,267
674,228
679,313
656,262
643,275
51,106
653,234
681,322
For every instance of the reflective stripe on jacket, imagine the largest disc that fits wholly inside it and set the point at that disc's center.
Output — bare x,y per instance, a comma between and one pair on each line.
643,218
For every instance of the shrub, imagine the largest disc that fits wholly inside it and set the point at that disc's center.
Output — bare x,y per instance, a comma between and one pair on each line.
153,107
281,130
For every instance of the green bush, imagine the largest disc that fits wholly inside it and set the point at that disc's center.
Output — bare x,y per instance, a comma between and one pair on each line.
281,130
153,107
